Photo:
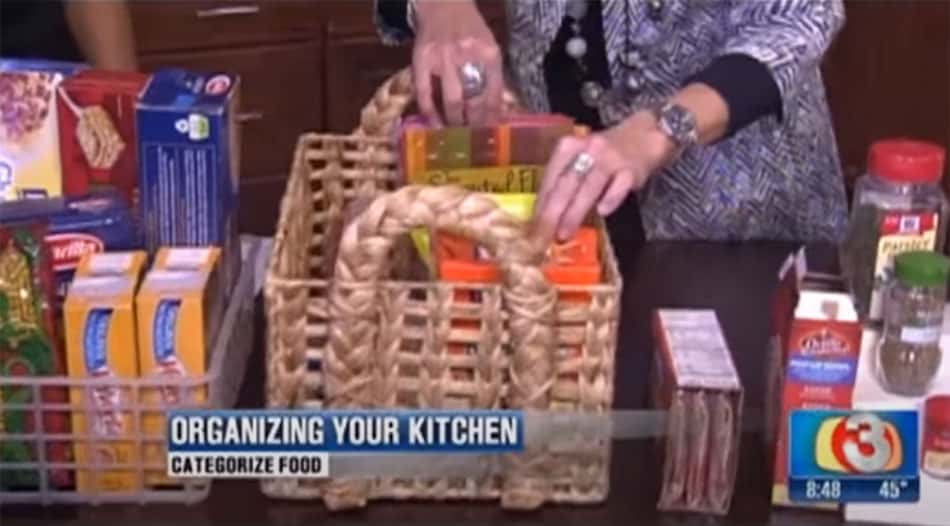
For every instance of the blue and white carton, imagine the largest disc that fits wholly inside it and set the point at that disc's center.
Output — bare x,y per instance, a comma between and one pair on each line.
189,159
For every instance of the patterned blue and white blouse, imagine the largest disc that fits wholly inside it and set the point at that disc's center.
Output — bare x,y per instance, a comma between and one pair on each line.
777,178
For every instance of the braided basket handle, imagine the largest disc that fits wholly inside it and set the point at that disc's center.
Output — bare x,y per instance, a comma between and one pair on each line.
362,259
382,113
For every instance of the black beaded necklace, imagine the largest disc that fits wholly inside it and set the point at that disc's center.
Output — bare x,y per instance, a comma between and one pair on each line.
592,92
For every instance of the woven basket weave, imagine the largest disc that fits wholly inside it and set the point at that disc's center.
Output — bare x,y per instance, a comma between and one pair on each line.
349,327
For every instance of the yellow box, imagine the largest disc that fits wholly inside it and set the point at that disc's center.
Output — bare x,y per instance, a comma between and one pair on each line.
178,309
99,315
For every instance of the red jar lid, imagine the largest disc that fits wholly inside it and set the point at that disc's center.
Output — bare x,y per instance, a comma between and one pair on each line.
907,161
937,409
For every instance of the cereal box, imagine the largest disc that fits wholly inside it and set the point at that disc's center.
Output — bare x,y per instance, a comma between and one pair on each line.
696,382
29,347
97,141
188,164
179,309
101,344
78,226
29,136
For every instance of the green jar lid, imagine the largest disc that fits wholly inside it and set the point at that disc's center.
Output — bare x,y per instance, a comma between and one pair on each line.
922,268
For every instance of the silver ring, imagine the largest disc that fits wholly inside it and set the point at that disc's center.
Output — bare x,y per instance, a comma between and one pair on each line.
583,164
472,76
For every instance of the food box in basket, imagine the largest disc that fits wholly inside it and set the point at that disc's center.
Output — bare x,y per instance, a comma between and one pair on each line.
97,141
101,344
28,348
696,382
507,158
29,137
188,162
813,359
178,310
77,226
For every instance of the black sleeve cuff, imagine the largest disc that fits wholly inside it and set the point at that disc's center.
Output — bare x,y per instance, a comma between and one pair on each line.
395,15
746,85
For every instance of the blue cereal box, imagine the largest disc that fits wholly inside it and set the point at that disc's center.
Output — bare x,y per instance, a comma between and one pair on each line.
188,163
78,226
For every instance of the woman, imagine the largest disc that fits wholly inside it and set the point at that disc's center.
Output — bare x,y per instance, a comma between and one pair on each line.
712,113
98,33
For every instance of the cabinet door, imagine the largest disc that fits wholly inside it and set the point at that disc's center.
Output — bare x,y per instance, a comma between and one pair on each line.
893,86
281,97
164,25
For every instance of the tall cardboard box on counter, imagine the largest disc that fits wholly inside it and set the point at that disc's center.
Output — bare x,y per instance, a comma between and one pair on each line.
816,343
188,164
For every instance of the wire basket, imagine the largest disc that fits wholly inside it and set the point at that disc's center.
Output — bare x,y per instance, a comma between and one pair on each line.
55,481
351,325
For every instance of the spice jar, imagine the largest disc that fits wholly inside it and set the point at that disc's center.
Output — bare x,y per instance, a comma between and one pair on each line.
908,355
935,457
898,206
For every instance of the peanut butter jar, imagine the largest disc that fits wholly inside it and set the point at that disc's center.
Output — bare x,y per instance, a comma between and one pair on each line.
935,460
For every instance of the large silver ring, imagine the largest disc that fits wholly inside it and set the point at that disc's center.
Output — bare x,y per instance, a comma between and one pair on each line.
583,164
472,76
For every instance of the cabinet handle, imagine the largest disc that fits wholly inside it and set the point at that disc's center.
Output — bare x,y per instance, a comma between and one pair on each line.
249,116
237,10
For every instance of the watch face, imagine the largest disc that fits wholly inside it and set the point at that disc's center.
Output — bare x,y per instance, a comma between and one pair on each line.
679,123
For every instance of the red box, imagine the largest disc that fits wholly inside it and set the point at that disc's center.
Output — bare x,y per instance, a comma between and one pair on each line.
97,134
815,329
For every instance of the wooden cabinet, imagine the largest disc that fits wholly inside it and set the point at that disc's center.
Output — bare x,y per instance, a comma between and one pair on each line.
888,75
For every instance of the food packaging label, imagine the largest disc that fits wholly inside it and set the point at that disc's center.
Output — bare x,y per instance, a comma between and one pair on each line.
97,131
101,344
188,161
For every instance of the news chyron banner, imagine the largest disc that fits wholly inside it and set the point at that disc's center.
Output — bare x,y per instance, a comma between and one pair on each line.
251,444
854,456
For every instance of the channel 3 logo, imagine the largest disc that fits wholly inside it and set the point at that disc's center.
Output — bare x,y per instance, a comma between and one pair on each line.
858,444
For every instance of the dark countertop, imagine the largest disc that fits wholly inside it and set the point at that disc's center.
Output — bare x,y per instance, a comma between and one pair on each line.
734,279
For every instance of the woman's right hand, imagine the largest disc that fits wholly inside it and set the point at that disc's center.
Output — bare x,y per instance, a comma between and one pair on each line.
449,34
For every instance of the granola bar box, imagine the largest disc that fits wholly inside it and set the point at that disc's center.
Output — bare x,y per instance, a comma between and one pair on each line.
188,164
28,347
29,135
97,140
696,382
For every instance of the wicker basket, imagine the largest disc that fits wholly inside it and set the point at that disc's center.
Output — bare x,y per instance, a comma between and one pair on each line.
348,327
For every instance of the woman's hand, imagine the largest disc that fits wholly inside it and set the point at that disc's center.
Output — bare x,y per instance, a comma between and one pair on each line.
623,158
449,34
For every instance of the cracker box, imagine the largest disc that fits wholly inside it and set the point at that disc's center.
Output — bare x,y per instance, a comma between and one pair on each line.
29,135
97,139
696,382
507,158
101,344
29,347
188,164
179,309
815,366
78,226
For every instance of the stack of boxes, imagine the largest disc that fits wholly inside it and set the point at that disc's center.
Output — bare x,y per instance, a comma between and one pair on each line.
129,172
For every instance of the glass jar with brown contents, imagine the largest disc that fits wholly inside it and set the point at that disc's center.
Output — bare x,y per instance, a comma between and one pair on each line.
908,355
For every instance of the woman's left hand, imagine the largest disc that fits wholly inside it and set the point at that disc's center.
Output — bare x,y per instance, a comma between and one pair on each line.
618,161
